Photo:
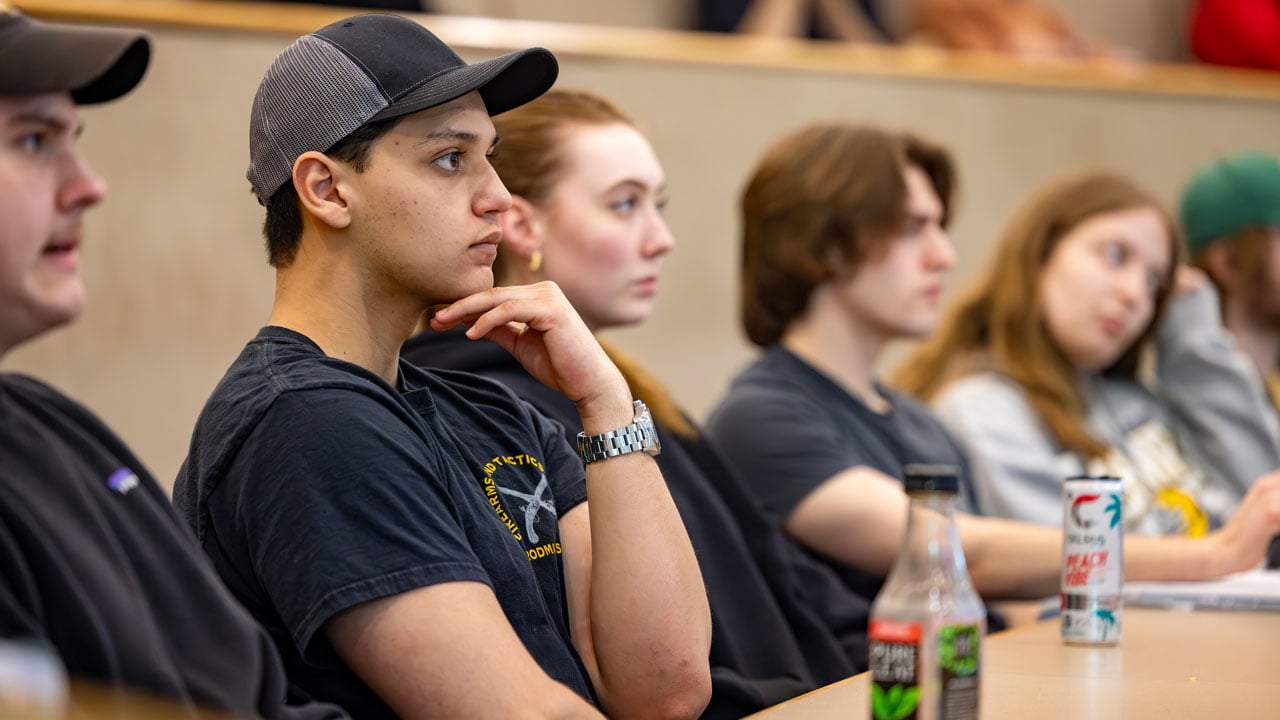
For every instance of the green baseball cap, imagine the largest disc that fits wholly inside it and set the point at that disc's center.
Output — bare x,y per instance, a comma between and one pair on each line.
1234,193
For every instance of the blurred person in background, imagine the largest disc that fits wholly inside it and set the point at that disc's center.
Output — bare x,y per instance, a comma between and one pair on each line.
401,5
1035,368
1020,28
849,20
1027,30
1230,212
845,250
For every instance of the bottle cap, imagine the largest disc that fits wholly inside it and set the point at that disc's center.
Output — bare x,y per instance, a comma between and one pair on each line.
919,477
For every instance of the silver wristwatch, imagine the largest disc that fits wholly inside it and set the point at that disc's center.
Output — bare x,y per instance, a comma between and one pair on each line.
639,436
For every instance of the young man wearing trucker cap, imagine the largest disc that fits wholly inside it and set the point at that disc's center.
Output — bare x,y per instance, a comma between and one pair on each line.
419,542
94,563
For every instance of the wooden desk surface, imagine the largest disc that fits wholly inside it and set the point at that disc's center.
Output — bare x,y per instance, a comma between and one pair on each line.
1198,665
92,701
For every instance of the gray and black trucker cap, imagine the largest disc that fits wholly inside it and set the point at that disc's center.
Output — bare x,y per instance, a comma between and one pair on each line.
328,84
93,64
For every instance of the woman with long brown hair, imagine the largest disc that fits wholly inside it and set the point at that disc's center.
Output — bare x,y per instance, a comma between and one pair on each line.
588,193
1036,368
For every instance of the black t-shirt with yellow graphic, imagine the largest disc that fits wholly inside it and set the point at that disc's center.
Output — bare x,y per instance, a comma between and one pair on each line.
314,486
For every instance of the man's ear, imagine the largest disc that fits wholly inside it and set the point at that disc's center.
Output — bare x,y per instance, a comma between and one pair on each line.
1222,265
521,228
837,263
318,179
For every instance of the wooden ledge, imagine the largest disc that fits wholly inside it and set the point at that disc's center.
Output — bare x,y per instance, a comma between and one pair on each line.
914,63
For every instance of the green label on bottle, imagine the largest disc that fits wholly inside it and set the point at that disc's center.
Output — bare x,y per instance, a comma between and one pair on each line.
958,663
894,702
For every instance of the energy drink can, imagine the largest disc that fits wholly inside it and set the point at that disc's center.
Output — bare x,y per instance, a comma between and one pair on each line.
1092,560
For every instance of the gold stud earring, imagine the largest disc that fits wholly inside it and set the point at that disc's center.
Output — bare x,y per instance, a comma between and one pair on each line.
535,261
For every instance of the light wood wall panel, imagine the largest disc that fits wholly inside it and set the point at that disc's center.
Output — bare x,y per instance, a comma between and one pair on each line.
176,270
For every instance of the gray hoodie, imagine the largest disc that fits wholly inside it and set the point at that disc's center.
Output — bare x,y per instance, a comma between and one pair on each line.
1188,447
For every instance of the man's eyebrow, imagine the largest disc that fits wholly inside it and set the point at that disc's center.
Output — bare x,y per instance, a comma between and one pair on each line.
52,122
462,136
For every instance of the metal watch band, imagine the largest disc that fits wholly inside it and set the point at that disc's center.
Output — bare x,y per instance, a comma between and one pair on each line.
636,437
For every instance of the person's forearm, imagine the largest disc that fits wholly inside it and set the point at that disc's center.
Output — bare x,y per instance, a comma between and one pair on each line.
426,669
1171,558
844,20
650,624
1024,561
1011,560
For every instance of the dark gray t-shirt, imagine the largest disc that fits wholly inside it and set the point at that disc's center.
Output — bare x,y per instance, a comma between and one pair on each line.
95,564
315,486
786,428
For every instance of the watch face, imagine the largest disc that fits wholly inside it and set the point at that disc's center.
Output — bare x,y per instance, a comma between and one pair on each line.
645,422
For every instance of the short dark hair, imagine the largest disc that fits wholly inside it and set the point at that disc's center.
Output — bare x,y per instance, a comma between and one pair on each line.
1248,250
824,192
282,227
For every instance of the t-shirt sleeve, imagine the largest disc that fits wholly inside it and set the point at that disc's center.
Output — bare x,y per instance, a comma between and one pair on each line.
564,467
333,502
1220,410
1017,470
17,597
780,446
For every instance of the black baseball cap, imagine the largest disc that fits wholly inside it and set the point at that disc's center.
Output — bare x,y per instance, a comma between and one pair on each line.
363,69
93,64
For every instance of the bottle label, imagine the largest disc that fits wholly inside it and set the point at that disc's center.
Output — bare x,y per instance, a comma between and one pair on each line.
958,663
895,668
1093,537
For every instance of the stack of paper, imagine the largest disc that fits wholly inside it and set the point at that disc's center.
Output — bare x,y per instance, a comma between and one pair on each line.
1252,590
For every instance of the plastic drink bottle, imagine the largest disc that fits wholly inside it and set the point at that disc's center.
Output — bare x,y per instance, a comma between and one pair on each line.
927,622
